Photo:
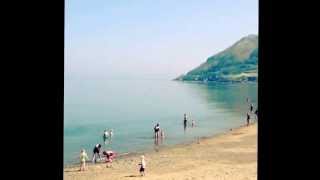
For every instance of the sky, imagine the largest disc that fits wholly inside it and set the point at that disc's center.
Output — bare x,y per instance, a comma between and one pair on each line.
150,38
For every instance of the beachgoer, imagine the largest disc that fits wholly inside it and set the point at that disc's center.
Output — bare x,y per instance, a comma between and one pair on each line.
142,166
111,133
185,120
193,123
248,100
248,118
83,158
110,155
156,143
105,136
162,134
156,131
256,112
251,107
96,153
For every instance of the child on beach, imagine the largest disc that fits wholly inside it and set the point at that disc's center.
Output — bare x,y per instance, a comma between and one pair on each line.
83,158
109,157
142,166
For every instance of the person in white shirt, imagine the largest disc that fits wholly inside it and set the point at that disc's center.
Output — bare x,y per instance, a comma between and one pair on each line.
142,166
111,133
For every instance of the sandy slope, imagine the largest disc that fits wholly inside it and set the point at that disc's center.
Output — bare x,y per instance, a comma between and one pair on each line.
232,155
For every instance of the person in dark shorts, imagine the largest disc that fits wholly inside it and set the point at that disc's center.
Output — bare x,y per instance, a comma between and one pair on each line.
96,153
248,118
156,131
185,120
142,166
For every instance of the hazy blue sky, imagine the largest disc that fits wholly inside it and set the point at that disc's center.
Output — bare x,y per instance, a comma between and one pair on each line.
153,38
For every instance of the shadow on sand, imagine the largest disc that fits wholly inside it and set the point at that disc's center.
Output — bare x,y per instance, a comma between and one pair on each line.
75,170
133,176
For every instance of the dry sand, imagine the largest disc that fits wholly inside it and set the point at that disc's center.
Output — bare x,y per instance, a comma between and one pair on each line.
231,155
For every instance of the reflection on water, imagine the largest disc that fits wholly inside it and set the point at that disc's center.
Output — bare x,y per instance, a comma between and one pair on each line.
228,96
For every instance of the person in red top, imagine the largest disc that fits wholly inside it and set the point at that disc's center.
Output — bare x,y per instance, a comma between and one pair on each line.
110,155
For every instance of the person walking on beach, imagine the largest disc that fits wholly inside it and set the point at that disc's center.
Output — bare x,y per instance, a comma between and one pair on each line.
193,123
142,166
96,153
248,118
105,136
83,158
156,131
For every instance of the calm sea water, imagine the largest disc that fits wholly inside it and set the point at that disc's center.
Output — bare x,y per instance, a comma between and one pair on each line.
132,107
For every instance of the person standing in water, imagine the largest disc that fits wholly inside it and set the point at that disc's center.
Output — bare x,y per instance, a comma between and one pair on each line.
110,135
96,153
156,131
193,124
248,118
251,107
105,136
142,166
83,158
162,133
185,120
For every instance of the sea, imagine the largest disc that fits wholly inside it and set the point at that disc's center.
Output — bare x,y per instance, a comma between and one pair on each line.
132,107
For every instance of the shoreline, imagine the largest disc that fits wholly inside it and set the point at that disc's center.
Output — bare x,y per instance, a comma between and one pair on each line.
162,147
180,155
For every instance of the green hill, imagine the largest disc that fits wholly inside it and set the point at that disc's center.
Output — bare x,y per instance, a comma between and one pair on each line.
236,63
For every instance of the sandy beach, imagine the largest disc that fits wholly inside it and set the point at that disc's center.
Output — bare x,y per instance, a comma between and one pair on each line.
230,155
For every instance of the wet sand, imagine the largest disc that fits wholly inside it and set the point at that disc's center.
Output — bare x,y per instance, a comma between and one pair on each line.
230,155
